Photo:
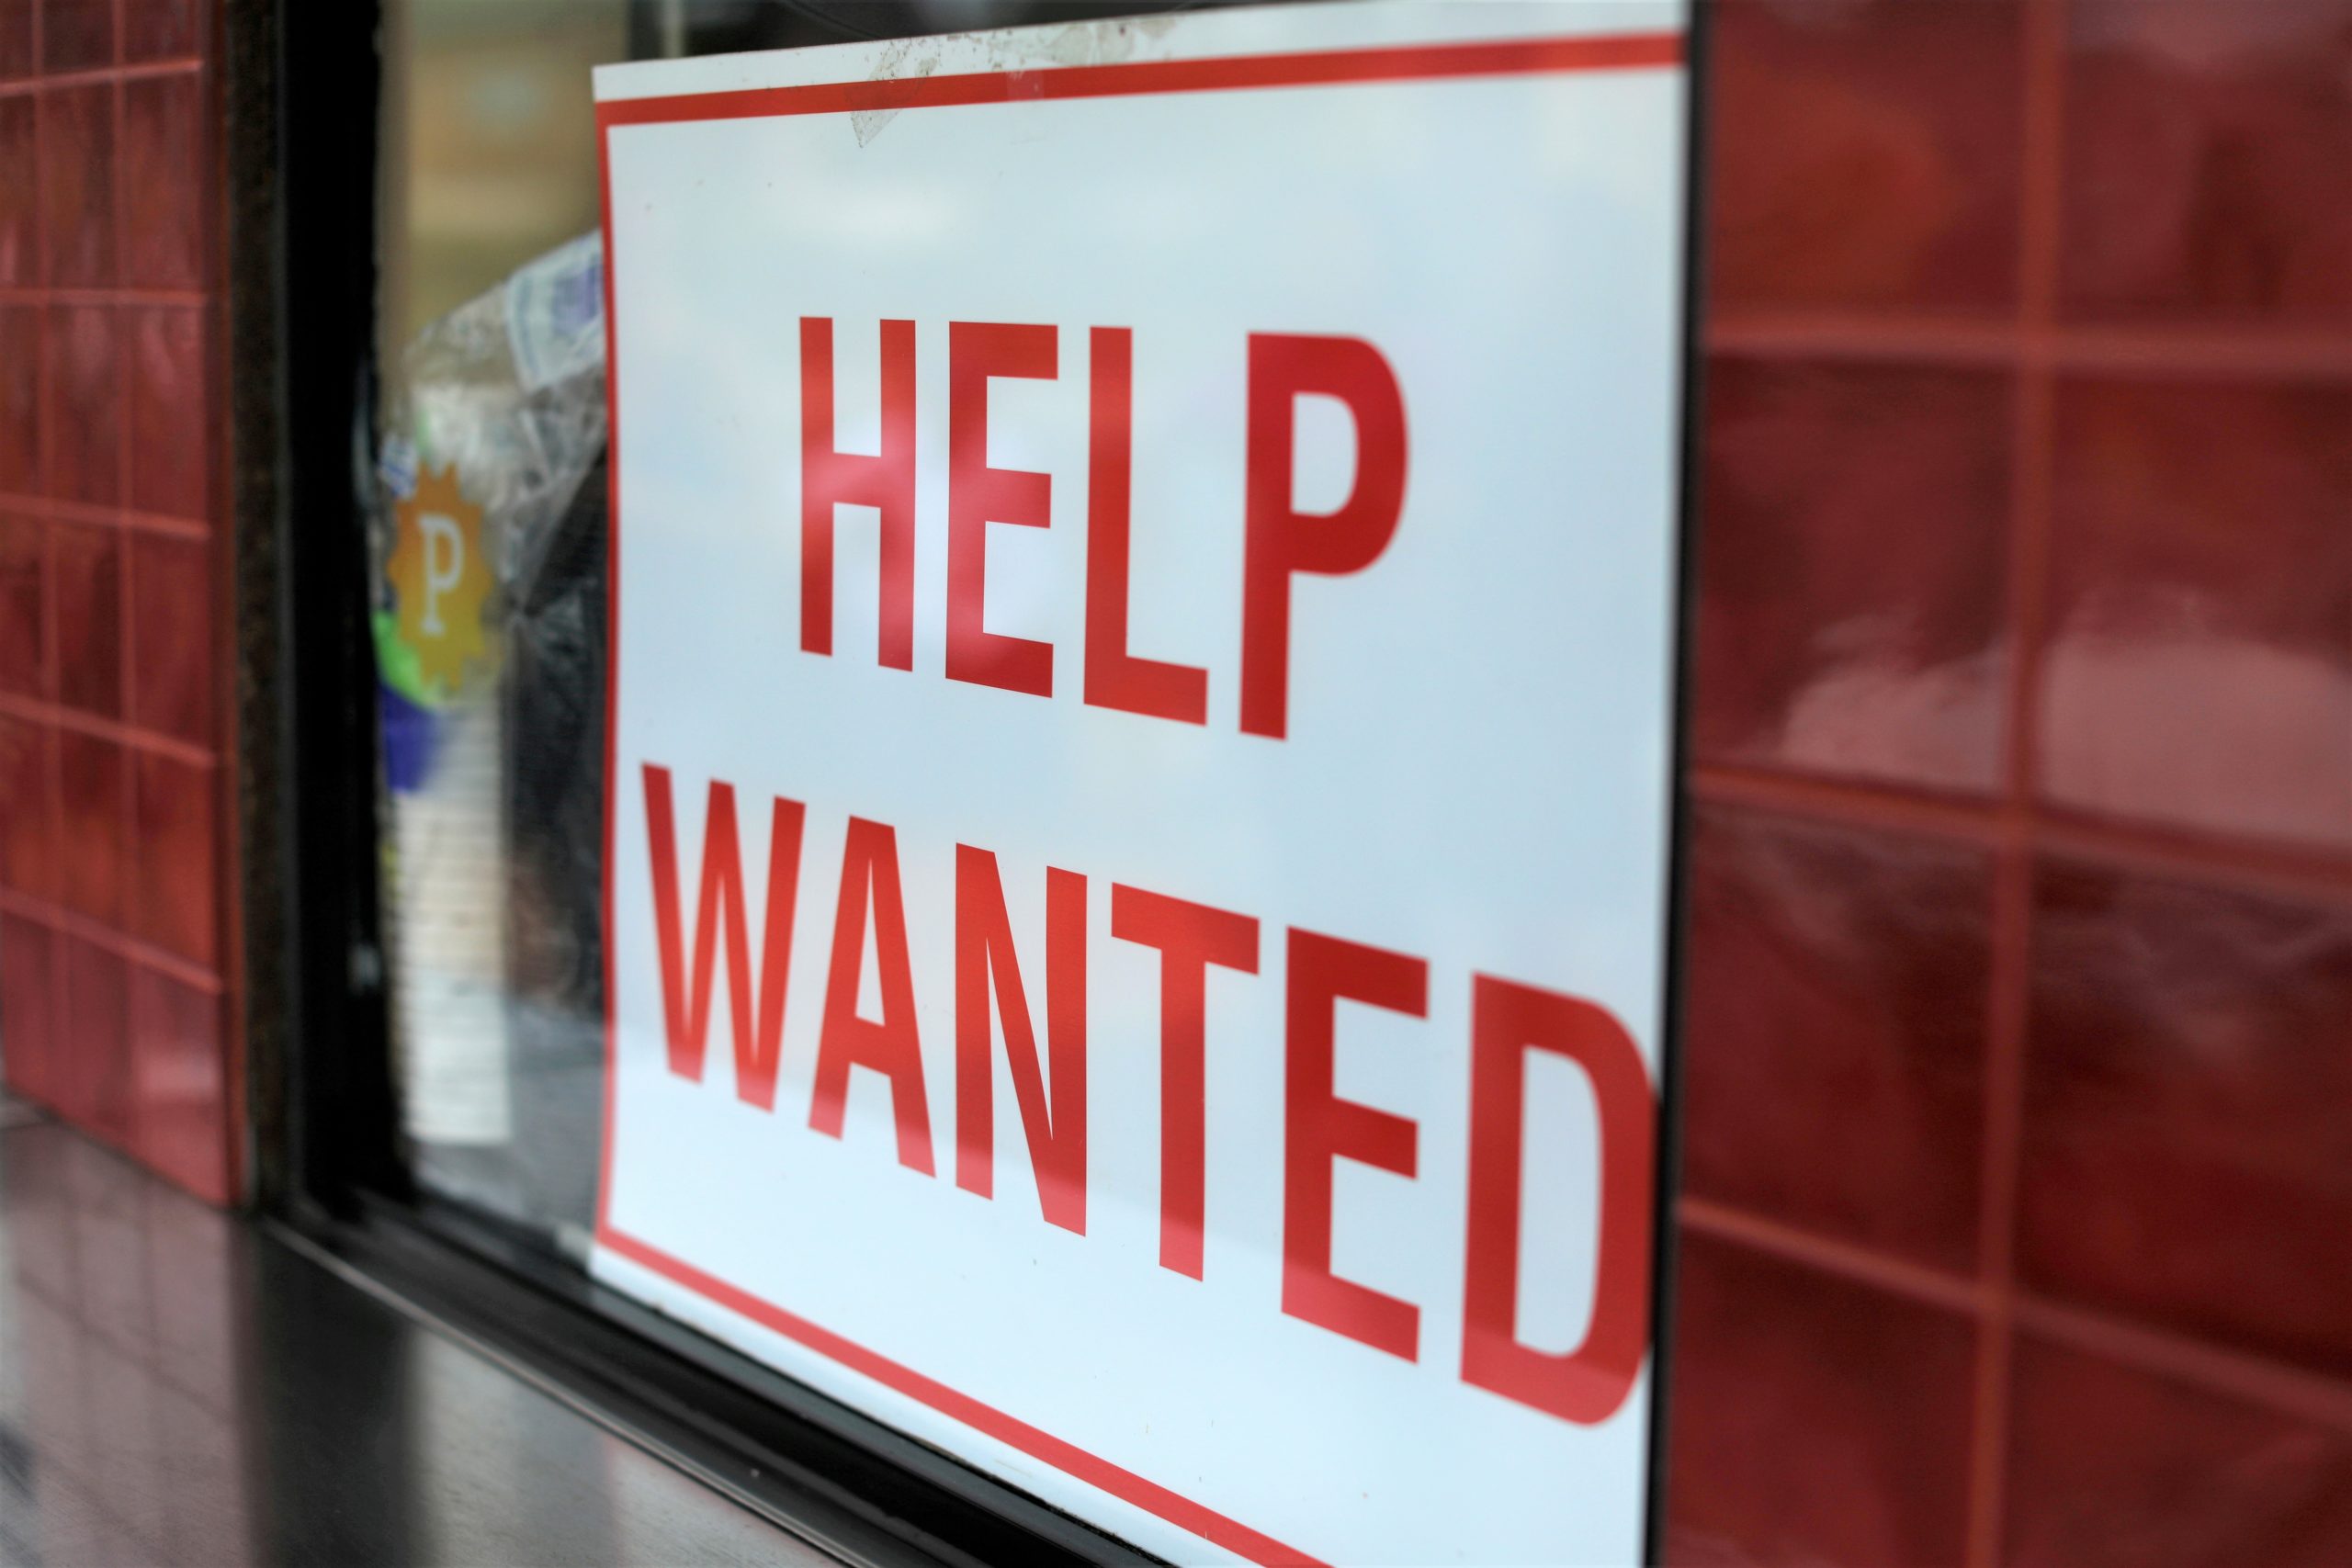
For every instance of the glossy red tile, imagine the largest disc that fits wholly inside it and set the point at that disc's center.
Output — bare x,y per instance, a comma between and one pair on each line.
161,30
170,432
167,127
1864,155
173,663
2187,1160
2209,161
84,417
17,58
30,861
76,35
95,1066
28,1007
40,1221
86,559
1851,617
195,1342
93,819
204,1491
2113,1467
178,823
114,1296
19,192
24,607
20,421
1816,1423
2198,670
53,1345
180,1097
1834,1036
77,185
128,1473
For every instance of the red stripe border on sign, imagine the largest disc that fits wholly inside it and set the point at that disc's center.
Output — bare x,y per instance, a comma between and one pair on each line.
1410,62
1518,56
1173,1506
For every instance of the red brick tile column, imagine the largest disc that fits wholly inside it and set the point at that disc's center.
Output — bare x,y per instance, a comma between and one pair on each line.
2017,1226
116,867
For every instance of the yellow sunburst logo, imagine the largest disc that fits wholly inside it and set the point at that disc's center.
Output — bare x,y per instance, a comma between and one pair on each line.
441,577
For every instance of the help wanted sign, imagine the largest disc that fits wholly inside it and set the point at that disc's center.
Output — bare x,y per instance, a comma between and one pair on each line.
1141,716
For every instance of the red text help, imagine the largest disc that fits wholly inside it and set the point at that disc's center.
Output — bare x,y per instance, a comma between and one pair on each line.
1280,542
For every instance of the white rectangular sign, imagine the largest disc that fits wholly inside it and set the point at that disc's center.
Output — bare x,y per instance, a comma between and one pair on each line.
1144,581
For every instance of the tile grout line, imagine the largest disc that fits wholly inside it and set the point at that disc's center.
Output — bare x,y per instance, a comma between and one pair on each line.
97,75
126,635
70,721
72,924
2042,47
1853,1261
53,737
127,651
1988,344
222,517
1863,804
162,523
2009,988
2276,870
52,649
182,299
221,619
2248,1376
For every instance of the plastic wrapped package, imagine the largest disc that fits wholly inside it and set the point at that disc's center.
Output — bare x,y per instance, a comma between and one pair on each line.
489,543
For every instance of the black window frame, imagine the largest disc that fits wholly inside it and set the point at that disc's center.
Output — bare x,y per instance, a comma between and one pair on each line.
303,80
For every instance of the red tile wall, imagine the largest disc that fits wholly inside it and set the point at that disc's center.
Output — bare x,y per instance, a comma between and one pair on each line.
2018,1213
115,899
